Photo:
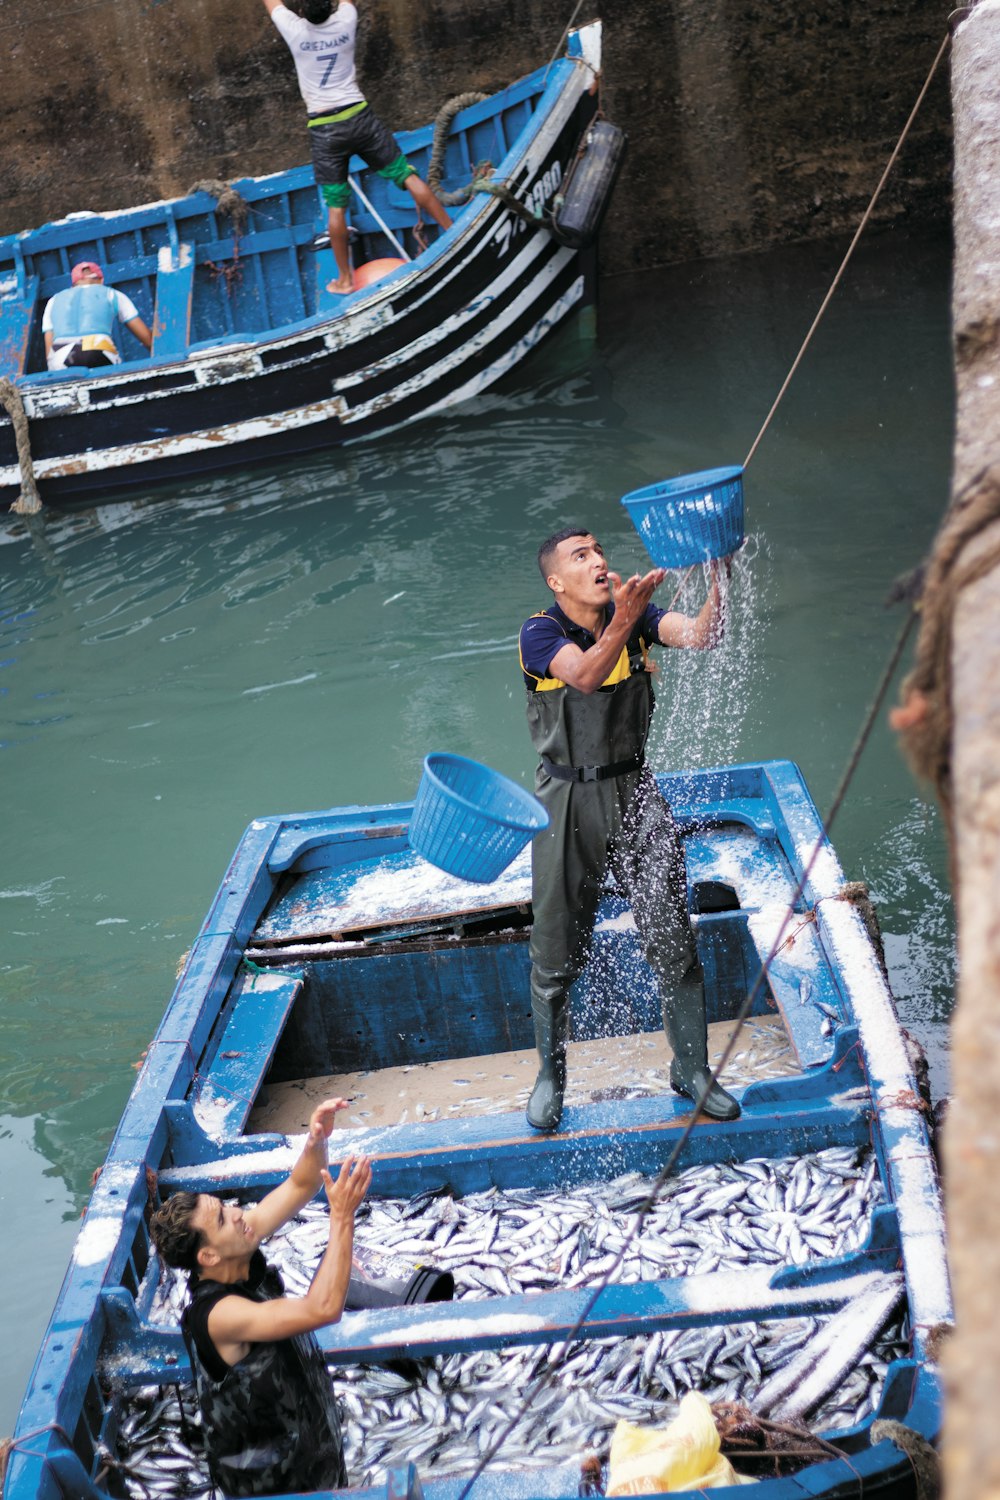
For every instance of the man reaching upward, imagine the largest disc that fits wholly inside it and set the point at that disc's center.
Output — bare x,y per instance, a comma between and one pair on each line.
268,1412
341,123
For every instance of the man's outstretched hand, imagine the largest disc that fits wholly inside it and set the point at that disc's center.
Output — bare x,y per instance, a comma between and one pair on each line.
632,596
345,1192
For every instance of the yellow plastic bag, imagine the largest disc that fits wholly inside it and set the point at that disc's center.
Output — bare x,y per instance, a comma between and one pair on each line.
683,1456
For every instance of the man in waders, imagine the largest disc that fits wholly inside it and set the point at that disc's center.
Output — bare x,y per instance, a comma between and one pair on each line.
590,700
268,1412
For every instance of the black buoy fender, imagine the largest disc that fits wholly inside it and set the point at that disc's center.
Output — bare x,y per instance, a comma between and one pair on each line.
582,201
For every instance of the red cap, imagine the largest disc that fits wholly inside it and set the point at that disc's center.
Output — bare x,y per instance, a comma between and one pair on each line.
81,269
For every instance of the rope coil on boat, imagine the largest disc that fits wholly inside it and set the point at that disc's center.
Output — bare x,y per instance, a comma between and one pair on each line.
442,125
28,502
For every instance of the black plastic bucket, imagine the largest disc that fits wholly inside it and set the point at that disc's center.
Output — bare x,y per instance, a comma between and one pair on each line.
377,1281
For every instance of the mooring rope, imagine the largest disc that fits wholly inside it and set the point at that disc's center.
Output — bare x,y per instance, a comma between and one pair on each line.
442,125
742,1015
28,502
850,249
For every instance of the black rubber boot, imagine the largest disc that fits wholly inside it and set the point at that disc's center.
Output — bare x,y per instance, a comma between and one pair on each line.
551,1017
684,1023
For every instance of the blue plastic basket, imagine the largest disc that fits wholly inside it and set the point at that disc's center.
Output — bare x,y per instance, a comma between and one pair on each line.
690,519
469,820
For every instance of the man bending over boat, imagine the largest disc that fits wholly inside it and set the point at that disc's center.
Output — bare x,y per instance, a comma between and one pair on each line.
590,701
78,323
268,1412
341,123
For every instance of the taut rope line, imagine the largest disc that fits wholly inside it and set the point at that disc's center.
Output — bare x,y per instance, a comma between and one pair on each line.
850,249
864,734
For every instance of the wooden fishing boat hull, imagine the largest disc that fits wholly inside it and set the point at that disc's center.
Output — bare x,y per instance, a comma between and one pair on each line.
252,359
330,949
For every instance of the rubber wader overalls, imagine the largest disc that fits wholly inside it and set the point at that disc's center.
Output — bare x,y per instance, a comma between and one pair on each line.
607,812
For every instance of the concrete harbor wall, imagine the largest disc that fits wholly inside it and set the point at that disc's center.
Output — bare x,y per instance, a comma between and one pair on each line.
748,124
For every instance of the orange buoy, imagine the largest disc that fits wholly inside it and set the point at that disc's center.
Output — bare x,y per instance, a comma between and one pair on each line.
374,270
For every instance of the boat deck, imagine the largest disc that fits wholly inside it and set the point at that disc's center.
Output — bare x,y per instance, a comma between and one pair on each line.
603,1068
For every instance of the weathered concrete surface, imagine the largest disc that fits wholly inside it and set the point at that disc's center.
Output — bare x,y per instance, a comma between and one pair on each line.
750,121
972,1155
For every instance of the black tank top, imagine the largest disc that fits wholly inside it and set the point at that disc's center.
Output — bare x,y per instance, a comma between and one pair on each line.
270,1422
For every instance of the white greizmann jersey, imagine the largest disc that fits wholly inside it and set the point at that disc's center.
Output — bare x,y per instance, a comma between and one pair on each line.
324,56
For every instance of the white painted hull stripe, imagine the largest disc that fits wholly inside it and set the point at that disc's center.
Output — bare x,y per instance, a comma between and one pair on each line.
510,274
478,342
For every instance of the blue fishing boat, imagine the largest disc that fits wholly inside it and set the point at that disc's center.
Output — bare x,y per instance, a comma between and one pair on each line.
789,1264
252,358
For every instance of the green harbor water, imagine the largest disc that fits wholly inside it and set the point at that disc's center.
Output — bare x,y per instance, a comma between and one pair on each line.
293,638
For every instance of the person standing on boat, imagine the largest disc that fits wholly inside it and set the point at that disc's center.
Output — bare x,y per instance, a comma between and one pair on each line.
321,36
269,1416
78,323
590,700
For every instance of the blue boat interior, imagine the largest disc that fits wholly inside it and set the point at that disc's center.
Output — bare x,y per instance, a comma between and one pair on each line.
316,998
199,279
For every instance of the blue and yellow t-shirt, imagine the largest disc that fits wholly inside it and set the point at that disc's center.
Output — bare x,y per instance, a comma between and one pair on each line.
546,633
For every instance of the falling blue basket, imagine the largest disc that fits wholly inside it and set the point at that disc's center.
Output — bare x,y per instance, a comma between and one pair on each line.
691,519
469,820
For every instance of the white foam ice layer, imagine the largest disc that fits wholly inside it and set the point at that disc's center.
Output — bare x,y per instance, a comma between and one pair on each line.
212,1112
461,1328
400,885
282,1158
97,1239
914,1187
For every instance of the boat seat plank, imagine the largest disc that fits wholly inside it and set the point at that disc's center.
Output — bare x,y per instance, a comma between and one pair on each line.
799,980
174,295
17,317
229,1086
619,1311
474,1154
400,888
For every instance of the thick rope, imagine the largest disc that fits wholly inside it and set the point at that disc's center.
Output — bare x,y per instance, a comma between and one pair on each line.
850,249
924,1460
28,502
506,195
442,125
925,720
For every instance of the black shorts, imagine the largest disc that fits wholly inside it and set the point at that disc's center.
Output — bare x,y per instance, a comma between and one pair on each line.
362,135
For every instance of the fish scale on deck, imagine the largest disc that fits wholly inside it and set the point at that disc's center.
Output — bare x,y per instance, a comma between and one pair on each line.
446,1413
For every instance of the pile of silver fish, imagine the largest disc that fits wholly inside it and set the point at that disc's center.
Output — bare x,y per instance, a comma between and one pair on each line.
448,1414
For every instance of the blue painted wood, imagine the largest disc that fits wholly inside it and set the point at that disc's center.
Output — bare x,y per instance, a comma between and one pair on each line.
19,307
243,1055
441,1328
598,1142
174,291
